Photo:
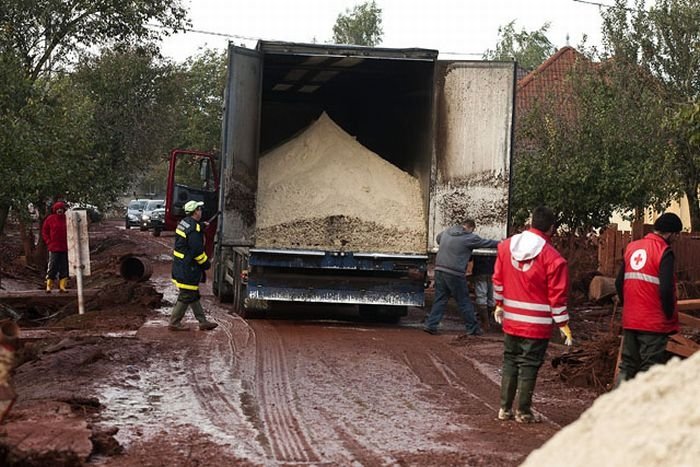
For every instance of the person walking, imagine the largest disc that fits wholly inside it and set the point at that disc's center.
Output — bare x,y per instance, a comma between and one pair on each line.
646,287
189,263
55,235
482,272
455,248
530,283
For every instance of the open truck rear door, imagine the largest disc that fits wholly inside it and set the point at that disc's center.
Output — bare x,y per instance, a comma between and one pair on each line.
239,161
474,102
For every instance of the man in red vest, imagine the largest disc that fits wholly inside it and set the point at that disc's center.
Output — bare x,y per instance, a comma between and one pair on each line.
646,285
530,286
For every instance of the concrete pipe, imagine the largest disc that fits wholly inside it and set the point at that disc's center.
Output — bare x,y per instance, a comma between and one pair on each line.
135,268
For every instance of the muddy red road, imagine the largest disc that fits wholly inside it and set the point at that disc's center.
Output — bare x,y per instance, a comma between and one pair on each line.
305,386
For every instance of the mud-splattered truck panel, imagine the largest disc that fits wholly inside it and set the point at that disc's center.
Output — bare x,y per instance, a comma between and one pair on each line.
447,125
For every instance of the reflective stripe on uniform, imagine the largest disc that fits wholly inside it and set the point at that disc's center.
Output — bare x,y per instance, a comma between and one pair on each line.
201,259
526,305
561,318
181,233
557,310
197,227
497,296
642,277
177,254
498,287
180,285
526,319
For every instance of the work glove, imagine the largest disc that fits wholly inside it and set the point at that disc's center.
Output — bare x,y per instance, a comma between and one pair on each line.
498,314
566,334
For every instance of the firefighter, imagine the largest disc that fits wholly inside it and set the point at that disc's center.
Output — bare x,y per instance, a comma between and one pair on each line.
189,263
530,285
646,286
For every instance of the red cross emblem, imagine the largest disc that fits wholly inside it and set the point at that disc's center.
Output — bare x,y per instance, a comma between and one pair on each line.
638,259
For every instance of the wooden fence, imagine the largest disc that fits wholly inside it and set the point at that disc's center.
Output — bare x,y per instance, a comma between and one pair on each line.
612,244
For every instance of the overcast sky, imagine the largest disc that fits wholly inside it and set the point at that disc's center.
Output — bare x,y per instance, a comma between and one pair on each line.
462,26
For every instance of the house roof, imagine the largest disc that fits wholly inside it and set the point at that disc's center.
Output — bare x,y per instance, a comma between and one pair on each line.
548,80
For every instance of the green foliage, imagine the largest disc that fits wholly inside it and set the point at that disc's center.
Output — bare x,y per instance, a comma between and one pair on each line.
135,112
529,49
202,79
360,26
47,34
598,150
664,41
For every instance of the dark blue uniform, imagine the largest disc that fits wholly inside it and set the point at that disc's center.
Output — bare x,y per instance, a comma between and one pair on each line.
189,257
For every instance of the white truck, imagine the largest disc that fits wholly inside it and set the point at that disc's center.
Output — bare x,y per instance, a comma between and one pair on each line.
447,123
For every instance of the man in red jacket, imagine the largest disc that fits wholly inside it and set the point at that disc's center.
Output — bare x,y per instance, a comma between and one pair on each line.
55,236
530,286
646,286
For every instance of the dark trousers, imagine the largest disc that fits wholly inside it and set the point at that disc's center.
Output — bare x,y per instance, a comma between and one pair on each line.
522,359
447,285
58,265
640,351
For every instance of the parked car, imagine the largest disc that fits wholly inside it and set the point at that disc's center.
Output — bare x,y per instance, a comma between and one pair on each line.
158,221
148,209
133,212
93,213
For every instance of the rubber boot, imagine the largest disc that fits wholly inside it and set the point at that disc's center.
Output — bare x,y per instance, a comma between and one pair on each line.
483,313
49,285
176,316
204,325
509,384
62,283
526,388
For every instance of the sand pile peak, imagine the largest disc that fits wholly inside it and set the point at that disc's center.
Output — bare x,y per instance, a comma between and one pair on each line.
323,189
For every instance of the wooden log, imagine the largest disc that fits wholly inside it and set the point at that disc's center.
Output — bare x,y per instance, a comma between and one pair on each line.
601,288
679,345
687,320
688,305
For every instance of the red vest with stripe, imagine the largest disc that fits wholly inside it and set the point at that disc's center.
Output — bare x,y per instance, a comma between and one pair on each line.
642,310
533,294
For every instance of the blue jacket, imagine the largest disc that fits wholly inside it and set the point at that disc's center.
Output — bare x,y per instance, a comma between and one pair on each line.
456,245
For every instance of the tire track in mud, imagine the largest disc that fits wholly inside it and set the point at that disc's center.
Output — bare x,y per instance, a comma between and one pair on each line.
288,440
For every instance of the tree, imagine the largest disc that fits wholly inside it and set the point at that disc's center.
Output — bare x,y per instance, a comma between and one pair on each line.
664,41
202,79
599,150
39,41
529,49
135,115
47,34
360,26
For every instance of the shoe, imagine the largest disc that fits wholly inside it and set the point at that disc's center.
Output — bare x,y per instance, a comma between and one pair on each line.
49,285
207,326
177,327
524,417
477,333
62,283
430,331
504,414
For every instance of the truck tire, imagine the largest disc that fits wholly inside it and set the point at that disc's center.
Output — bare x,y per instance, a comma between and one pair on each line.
222,289
156,232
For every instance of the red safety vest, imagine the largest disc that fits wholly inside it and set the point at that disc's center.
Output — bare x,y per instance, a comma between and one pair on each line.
642,310
533,293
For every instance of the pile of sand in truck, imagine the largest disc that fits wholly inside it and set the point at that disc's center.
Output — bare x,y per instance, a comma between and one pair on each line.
324,190
650,421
